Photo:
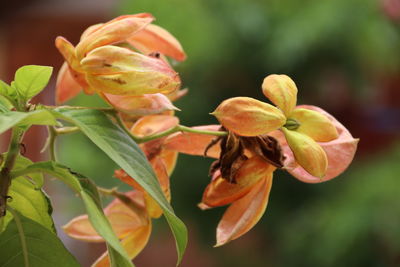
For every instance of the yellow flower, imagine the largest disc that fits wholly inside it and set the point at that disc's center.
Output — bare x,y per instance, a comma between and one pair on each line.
302,128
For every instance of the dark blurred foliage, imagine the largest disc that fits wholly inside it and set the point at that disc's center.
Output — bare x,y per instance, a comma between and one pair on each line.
344,56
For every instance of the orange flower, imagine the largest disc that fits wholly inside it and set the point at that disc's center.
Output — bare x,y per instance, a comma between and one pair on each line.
104,61
132,225
303,128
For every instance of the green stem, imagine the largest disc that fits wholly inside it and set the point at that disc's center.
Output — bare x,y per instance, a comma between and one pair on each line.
52,143
5,177
178,128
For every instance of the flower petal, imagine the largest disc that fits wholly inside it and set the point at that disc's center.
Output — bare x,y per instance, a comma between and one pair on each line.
120,71
66,86
220,192
314,124
67,50
133,244
153,124
244,213
282,91
340,153
307,153
114,31
192,143
140,105
156,39
121,217
169,158
249,117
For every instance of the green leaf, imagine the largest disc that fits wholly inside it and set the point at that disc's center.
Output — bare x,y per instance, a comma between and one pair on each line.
90,197
31,202
26,243
26,196
8,96
16,118
126,153
31,80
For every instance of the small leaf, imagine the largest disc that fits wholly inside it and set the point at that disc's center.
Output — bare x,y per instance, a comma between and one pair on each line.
16,118
126,153
90,196
26,243
32,79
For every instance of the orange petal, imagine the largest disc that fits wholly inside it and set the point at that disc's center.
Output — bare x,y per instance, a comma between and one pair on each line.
244,213
140,105
340,153
314,124
133,244
282,91
121,217
169,158
156,39
90,30
114,31
220,192
193,143
68,51
249,117
66,86
152,124
177,94
308,153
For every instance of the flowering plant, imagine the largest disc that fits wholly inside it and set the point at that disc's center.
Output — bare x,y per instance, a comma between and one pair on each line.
125,61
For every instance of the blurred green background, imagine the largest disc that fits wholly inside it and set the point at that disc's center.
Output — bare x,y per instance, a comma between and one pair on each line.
344,56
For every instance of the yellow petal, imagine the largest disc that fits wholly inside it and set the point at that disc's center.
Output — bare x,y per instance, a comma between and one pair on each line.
244,213
307,152
114,31
140,105
249,117
156,39
169,158
133,244
120,71
220,192
282,91
314,124
68,51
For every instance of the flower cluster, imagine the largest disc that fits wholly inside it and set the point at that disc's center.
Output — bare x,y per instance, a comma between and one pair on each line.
124,62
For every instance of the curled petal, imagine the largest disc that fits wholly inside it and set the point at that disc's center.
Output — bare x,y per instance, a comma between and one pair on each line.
140,105
244,213
282,91
156,39
66,87
67,50
114,31
314,124
132,243
193,143
340,153
249,117
307,153
121,217
221,192
153,124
